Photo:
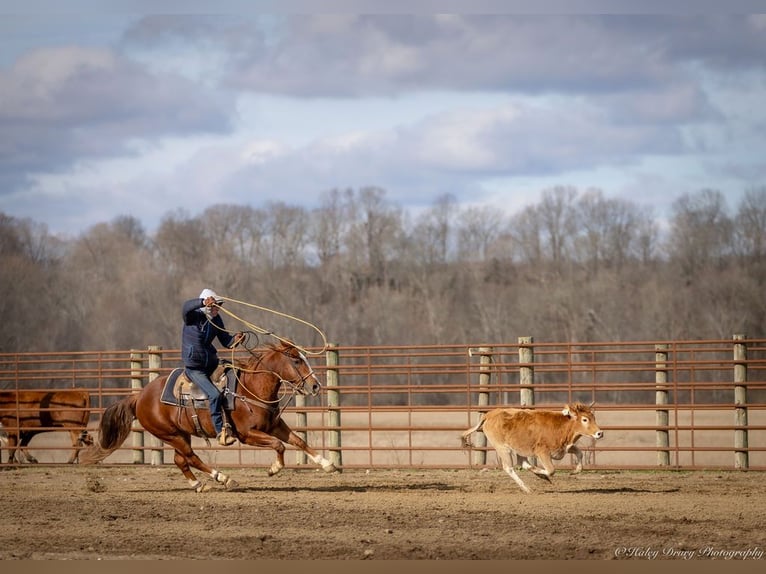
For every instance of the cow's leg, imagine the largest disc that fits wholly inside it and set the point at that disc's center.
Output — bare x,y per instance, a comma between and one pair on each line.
76,445
504,454
24,439
578,457
12,440
548,469
84,440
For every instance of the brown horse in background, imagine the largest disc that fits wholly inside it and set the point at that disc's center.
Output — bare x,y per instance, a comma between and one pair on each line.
255,419
24,414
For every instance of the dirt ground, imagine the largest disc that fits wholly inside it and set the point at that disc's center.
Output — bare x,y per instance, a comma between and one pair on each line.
130,512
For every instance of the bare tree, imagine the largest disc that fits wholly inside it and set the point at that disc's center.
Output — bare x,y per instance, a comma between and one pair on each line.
526,235
700,231
180,246
558,222
432,231
750,225
478,231
375,235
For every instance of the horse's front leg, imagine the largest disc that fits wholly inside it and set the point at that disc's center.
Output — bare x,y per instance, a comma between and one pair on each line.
285,433
263,440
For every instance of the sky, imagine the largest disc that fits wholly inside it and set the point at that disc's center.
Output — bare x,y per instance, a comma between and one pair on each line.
146,113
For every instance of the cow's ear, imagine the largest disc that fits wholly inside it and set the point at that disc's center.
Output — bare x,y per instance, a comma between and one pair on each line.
567,412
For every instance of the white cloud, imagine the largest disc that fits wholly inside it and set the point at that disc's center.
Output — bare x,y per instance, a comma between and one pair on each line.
196,110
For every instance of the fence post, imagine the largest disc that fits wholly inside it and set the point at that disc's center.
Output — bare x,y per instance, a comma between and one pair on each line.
527,378
333,406
526,371
740,402
155,364
480,442
135,384
301,420
661,399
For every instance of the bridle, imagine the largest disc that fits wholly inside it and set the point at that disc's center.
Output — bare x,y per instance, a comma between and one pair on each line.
297,386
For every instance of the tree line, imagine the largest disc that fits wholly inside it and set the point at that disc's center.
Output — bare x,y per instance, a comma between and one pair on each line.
575,266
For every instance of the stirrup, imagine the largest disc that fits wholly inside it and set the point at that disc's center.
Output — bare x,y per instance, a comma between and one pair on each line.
224,438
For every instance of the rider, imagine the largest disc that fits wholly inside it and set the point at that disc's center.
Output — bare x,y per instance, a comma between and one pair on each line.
202,325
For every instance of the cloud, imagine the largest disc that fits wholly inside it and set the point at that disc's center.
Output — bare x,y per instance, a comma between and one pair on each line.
249,108
65,105
358,55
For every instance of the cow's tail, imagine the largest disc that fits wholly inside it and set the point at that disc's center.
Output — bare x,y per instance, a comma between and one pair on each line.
466,436
114,428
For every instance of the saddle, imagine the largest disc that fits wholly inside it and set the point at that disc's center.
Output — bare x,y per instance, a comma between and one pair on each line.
181,391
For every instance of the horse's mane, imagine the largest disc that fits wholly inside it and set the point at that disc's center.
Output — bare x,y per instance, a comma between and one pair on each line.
257,354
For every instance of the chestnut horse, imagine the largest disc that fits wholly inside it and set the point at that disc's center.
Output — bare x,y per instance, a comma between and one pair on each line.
255,419
24,414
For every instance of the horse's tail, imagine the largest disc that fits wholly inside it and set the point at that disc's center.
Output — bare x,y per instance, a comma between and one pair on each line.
3,436
466,436
114,428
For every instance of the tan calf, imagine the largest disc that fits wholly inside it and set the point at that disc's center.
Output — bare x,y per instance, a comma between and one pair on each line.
544,434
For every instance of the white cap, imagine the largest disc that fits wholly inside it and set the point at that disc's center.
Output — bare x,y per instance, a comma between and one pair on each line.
210,293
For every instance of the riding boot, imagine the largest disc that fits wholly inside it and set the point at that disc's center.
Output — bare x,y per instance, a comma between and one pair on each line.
224,437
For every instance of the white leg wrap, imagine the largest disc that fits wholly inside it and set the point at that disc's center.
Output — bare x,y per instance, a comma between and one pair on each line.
275,468
219,476
326,465
199,486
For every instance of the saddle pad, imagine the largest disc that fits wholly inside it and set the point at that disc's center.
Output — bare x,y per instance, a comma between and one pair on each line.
177,388
171,392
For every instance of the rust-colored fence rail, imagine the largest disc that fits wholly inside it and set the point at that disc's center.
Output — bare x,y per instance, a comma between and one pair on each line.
662,404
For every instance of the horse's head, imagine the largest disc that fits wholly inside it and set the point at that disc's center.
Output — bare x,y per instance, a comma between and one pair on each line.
293,367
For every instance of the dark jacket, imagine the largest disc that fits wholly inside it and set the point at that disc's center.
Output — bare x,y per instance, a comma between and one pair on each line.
197,350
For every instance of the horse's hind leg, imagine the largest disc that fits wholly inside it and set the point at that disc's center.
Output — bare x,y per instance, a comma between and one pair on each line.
185,458
182,463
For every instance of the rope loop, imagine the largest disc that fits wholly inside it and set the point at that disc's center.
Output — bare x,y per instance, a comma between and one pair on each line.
254,330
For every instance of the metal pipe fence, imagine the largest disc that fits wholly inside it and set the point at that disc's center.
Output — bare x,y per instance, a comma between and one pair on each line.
697,404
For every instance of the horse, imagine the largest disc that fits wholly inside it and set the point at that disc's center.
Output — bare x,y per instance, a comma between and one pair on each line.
255,417
24,414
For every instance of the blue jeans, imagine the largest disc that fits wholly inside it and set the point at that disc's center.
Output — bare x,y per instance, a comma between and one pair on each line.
203,382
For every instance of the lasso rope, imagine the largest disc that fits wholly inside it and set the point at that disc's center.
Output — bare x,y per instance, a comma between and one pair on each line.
263,331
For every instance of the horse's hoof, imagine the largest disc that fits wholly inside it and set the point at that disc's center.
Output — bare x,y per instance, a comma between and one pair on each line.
274,469
202,486
231,484
330,468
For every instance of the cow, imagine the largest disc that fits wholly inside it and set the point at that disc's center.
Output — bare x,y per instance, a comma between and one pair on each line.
23,414
546,435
